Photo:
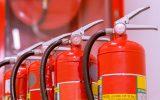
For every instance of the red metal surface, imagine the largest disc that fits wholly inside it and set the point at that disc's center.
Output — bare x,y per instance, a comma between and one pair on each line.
124,57
34,85
117,10
68,74
59,12
2,31
21,83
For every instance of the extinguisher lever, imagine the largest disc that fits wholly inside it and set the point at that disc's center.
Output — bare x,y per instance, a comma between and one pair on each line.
86,27
79,31
30,48
131,15
140,27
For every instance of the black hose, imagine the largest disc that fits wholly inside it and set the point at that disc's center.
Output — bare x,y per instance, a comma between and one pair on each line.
85,64
43,68
4,62
15,71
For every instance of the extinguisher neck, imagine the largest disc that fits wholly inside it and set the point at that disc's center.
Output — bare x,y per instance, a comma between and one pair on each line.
76,47
119,37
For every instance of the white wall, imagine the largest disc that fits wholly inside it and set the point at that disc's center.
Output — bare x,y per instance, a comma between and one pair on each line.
150,40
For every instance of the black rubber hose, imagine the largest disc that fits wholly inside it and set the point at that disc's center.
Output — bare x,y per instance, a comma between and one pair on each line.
43,68
4,62
85,64
15,71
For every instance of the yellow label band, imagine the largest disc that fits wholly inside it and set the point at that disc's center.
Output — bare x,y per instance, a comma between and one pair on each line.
141,82
99,82
28,96
56,89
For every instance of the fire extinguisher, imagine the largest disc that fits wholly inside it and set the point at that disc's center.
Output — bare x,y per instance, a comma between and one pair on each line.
121,63
21,83
33,77
67,68
21,77
20,58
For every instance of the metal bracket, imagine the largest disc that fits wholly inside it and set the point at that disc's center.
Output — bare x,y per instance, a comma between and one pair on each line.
86,38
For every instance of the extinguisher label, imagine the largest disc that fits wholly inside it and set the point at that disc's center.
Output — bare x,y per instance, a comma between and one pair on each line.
7,86
119,97
122,86
56,89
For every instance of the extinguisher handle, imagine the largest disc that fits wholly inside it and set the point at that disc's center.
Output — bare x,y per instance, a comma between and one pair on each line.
140,27
81,30
131,15
85,61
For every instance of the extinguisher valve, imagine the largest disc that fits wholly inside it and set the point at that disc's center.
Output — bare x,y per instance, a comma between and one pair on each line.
65,41
76,37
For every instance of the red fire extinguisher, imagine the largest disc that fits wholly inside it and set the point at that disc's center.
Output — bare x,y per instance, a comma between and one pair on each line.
21,83
121,63
33,78
68,73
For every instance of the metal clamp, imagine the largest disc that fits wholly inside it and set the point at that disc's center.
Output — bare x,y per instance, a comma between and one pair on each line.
30,48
